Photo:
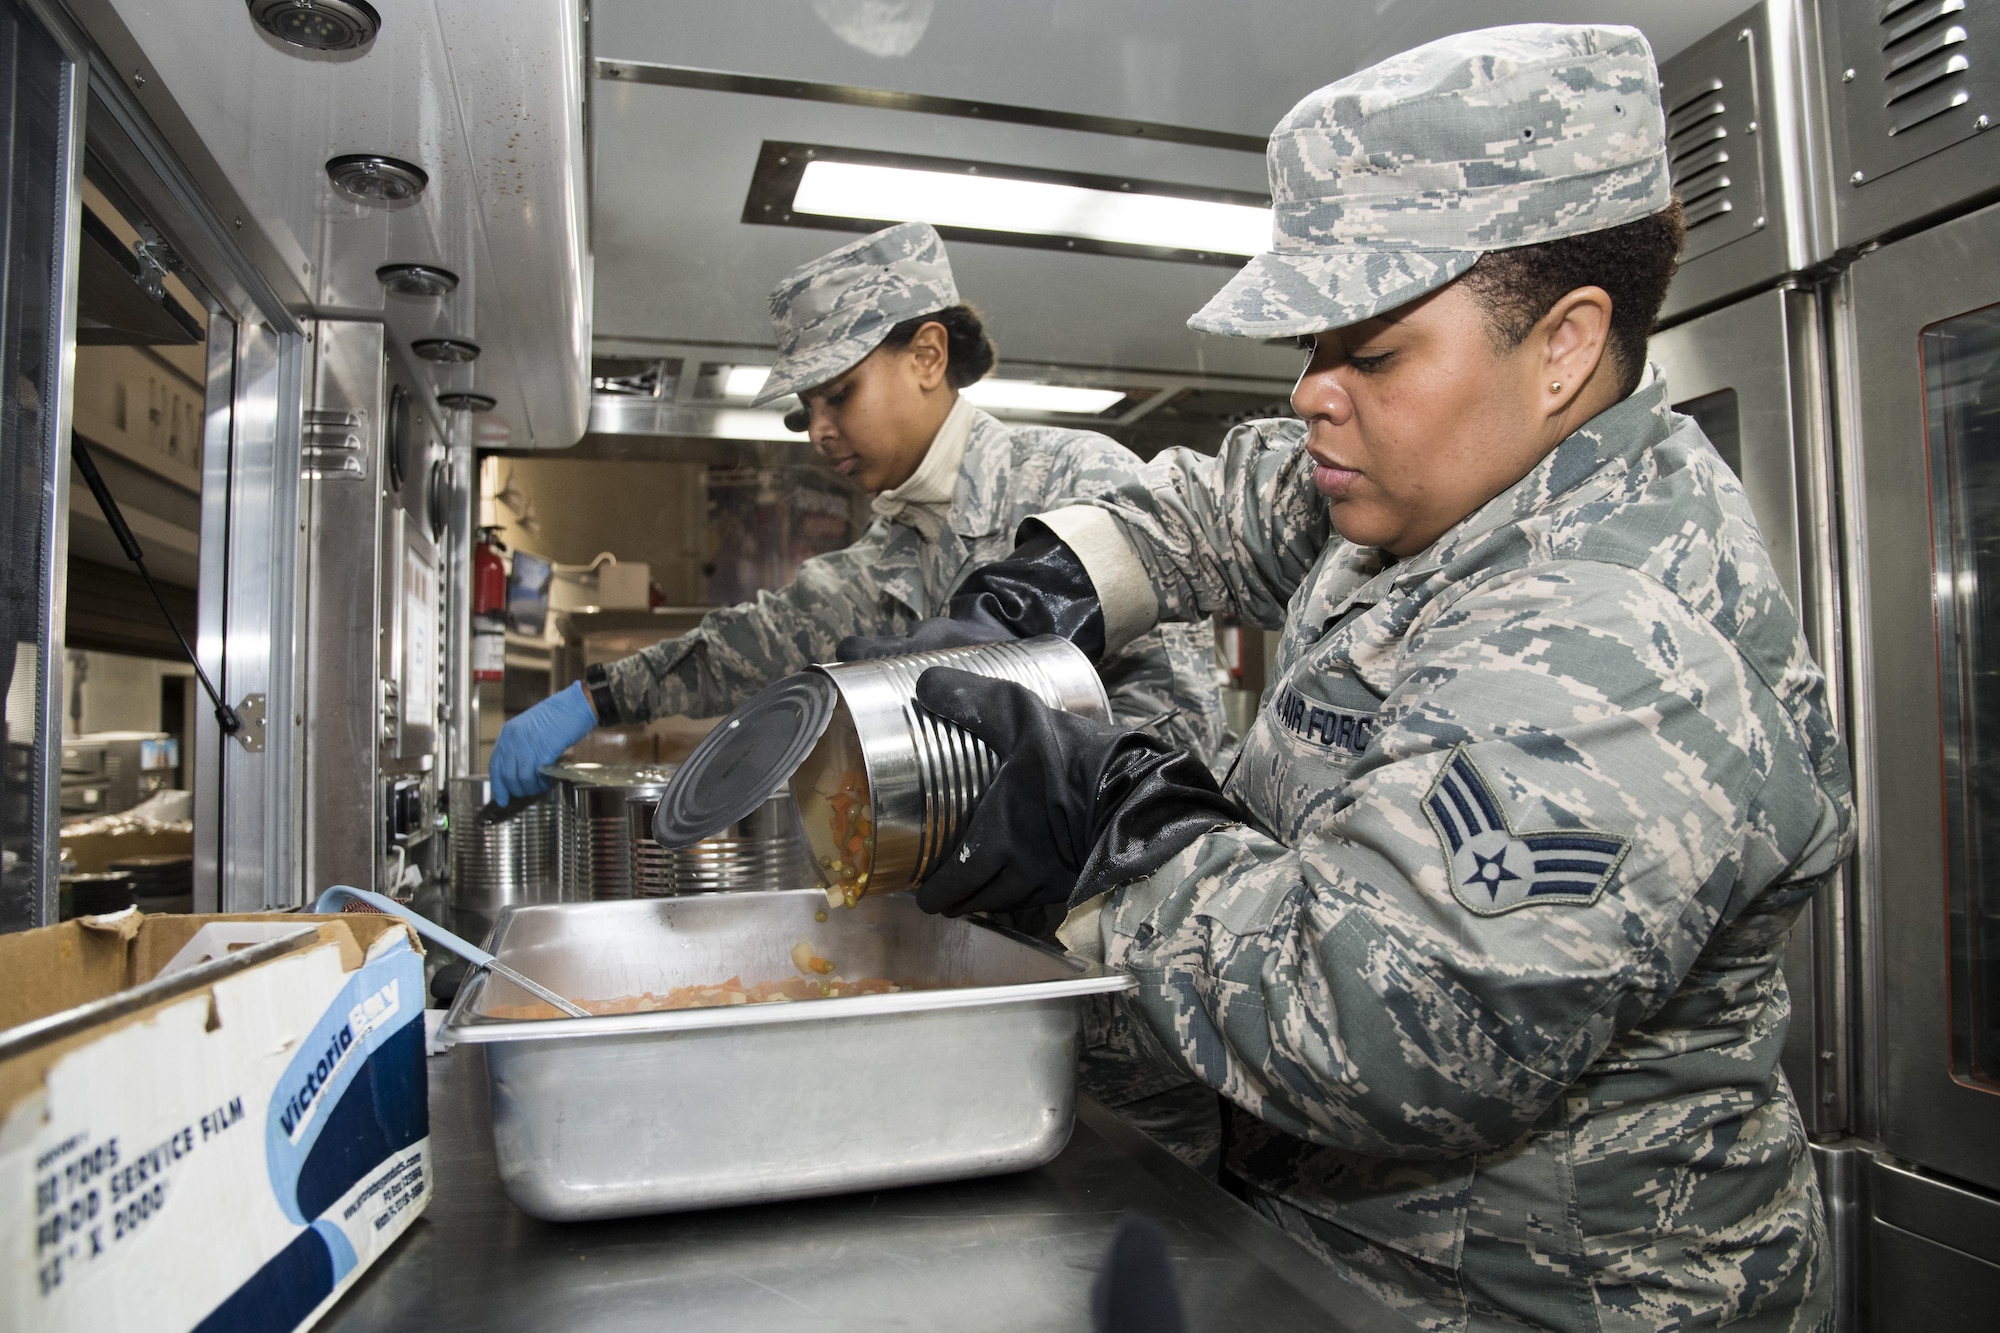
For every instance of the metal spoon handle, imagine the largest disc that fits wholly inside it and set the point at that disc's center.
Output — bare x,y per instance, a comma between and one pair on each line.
536,989
333,898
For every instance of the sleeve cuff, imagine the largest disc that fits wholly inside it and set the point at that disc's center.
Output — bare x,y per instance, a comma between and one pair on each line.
1082,931
1125,594
628,679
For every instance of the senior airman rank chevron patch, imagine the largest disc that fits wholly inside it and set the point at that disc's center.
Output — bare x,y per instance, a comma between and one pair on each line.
1495,869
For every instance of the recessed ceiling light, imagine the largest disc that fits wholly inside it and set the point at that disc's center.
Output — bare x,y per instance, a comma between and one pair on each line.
977,200
370,178
417,279
466,402
318,25
447,351
1028,396
744,381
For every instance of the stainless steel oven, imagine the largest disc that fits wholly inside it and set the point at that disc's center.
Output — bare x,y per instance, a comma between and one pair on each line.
1752,373
1755,375
1920,356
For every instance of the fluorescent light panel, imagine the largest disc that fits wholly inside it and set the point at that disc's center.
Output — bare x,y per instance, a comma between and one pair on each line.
1029,396
1038,208
995,395
738,423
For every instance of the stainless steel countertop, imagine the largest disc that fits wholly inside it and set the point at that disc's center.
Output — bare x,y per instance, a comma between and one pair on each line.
1003,1253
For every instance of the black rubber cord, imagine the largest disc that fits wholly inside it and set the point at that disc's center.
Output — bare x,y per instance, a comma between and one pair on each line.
225,716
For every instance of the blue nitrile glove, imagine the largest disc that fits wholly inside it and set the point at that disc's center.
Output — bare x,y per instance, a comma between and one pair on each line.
538,736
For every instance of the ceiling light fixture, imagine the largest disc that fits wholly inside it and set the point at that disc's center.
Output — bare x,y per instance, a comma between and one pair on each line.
743,381
318,25
446,351
846,189
1039,208
370,178
1001,395
737,423
466,402
417,279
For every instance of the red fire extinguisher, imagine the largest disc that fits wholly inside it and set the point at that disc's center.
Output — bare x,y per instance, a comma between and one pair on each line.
489,606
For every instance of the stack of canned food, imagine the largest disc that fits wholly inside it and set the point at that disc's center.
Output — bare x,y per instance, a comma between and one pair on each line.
605,818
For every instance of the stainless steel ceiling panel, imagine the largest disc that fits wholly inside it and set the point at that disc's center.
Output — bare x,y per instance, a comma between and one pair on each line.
1235,66
487,97
676,263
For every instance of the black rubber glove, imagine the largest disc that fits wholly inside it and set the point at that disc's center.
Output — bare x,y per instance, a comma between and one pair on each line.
1077,806
1039,589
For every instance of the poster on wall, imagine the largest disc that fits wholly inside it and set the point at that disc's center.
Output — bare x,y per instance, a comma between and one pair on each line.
763,523
528,594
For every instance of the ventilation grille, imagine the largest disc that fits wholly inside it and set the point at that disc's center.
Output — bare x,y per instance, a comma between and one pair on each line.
332,446
1915,77
1926,61
1712,149
1698,154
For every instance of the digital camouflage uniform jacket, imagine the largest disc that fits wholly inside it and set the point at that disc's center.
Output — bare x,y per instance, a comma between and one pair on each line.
1496,969
896,575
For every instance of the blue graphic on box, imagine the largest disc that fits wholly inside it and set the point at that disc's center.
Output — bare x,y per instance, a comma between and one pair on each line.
353,1104
340,1111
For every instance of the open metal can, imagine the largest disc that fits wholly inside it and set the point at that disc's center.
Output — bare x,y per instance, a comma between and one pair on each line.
761,851
883,787
593,824
885,793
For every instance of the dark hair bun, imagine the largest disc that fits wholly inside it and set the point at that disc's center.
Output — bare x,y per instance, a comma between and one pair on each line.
969,352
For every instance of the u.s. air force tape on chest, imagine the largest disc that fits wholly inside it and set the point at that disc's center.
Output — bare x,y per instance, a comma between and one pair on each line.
1335,728
1495,869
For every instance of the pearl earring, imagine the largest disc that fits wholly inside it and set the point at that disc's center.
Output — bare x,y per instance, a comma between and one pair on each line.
1555,386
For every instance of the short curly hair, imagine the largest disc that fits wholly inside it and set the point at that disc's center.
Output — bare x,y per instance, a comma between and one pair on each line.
1633,263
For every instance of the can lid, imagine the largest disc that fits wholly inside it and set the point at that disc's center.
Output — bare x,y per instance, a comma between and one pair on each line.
750,754
637,777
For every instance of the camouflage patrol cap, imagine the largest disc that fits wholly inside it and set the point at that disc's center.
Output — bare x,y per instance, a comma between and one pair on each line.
836,310
1389,183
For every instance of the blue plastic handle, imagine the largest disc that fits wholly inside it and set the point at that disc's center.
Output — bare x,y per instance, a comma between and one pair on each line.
330,901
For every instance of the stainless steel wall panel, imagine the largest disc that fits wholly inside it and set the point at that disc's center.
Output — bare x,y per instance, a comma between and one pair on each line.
341,535
261,813
459,741
211,614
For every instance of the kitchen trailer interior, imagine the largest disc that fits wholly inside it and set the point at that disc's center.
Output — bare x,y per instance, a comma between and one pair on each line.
417,351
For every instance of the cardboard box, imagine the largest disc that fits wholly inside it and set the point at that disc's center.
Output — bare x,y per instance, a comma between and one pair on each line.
208,1145
96,851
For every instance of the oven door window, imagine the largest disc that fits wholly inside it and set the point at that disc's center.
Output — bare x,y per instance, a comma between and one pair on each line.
1717,415
1961,359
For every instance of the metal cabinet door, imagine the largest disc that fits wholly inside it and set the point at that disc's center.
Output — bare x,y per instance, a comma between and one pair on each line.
1912,88
1922,323
1746,154
1751,374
